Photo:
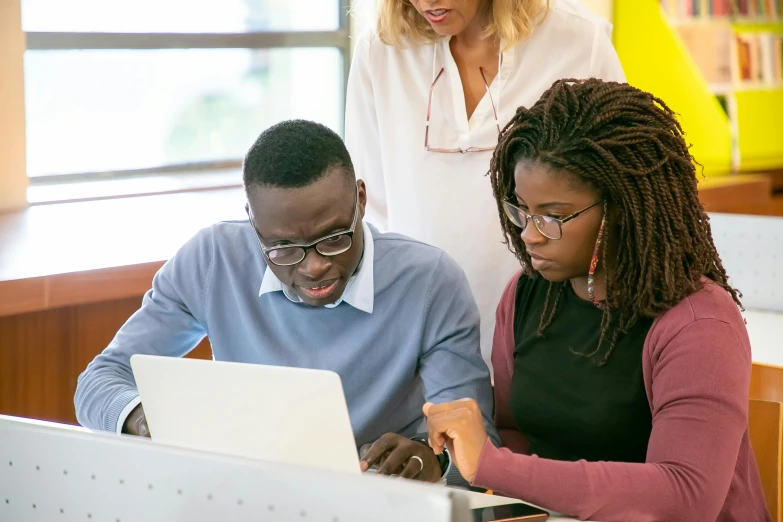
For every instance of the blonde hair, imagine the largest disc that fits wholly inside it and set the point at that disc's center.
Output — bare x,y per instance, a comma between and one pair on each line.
510,21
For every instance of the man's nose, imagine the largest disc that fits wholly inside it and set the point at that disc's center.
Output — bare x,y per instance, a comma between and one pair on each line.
314,266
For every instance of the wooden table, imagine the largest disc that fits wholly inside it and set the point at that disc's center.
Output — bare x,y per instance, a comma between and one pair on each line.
72,274
75,253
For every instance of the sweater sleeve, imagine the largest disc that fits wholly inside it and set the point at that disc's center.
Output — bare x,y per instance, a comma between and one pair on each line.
450,365
168,323
503,365
699,398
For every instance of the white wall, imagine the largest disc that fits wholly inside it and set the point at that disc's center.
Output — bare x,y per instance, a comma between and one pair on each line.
13,176
603,8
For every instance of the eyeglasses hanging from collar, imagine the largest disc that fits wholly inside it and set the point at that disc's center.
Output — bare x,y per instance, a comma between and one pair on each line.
427,146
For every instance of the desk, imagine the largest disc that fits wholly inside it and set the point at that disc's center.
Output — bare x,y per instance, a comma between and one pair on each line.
479,500
75,253
71,275
742,193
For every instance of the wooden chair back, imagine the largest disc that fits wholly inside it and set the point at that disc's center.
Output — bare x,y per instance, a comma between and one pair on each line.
765,419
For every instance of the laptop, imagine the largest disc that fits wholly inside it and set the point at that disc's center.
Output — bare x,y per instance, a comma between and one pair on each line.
273,413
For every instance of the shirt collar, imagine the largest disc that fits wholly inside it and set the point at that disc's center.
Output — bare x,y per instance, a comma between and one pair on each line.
359,292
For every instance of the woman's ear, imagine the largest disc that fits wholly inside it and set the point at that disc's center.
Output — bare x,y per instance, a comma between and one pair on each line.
614,213
614,220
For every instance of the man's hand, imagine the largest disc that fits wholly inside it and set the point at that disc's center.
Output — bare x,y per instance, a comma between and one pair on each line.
458,426
395,456
136,423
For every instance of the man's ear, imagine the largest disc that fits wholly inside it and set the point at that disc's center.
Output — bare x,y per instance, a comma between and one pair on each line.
362,196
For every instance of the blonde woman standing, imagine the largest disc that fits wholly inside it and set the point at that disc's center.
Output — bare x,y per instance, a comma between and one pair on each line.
429,90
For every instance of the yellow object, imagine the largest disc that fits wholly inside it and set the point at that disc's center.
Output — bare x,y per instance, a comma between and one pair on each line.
760,115
760,129
656,60
758,27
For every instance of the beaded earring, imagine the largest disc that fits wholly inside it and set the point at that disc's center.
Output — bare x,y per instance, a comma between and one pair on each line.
594,263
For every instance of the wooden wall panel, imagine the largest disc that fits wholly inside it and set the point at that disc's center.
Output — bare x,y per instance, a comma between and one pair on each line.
765,427
719,193
766,382
42,354
22,295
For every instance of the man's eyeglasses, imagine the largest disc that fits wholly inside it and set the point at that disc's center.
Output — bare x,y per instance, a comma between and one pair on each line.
429,110
549,227
331,245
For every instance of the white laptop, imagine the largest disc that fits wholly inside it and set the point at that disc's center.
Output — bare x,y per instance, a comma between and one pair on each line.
273,413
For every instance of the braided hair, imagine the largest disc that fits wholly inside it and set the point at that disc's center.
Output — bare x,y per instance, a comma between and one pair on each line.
629,146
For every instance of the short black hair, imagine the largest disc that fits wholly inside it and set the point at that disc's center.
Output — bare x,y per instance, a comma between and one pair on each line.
293,154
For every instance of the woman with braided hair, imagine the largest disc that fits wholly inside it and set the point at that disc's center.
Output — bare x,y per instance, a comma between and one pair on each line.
622,362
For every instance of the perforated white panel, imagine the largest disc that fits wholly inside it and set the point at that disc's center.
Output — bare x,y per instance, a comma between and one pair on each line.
765,330
53,473
751,248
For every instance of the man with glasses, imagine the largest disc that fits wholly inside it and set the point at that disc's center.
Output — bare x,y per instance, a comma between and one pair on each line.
305,282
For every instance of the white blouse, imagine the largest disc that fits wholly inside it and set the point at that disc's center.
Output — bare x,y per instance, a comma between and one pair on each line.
445,199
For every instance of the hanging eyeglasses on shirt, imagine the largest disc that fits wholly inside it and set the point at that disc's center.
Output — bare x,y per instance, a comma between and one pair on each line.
488,147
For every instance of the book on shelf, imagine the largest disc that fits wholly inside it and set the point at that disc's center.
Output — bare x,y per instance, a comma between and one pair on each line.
710,48
757,59
708,9
730,58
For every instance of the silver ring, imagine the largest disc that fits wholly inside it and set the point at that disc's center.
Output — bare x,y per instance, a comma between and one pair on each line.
421,462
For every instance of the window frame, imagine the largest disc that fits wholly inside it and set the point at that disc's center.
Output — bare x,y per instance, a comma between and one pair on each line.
339,39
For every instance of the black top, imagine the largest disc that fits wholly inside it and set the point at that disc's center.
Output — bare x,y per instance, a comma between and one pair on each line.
568,407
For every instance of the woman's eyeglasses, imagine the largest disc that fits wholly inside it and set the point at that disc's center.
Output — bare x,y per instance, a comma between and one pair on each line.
429,110
331,245
549,227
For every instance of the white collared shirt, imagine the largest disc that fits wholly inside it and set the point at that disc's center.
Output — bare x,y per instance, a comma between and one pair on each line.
359,292
446,199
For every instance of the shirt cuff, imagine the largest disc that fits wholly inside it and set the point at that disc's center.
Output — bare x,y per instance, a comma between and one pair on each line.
453,476
125,412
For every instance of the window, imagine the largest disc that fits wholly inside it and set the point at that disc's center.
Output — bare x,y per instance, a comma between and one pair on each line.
138,92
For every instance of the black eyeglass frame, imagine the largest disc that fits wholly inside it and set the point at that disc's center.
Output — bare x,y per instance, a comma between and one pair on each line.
304,247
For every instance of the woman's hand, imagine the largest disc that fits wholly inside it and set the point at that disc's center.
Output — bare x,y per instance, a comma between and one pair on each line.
458,426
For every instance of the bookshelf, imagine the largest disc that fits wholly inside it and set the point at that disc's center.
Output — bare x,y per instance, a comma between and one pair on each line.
722,9
719,64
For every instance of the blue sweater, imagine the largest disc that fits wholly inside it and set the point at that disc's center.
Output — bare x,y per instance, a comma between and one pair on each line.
420,343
